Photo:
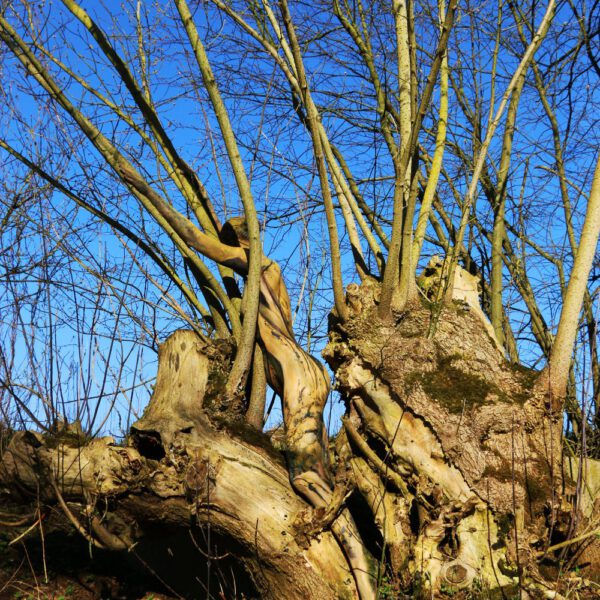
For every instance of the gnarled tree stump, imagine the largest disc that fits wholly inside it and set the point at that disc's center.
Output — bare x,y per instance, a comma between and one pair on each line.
182,469
454,455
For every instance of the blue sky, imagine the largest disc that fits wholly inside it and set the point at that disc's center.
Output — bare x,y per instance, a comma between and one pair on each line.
285,188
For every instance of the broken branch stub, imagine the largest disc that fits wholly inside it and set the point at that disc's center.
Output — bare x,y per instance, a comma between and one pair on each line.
189,389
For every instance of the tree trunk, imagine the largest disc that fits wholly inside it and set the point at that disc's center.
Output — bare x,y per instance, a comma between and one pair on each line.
454,458
455,441
182,468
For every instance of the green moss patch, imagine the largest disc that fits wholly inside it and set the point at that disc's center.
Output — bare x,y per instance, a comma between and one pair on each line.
526,378
67,434
255,438
503,474
455,389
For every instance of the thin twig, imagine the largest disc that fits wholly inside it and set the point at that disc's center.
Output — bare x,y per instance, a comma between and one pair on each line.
74,519
28,530
579,538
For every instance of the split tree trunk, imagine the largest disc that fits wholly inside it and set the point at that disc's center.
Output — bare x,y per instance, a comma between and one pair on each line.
455,457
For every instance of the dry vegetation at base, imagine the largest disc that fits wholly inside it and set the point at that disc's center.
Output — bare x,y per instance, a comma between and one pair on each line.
71,573
162,569
74,574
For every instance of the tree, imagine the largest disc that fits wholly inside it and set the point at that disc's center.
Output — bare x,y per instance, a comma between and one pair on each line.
383,135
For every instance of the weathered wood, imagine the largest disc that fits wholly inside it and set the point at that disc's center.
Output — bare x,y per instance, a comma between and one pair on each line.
205,473
455,453
478,451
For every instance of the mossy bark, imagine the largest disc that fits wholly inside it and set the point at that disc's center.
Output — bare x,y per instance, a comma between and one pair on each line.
451,485
475,445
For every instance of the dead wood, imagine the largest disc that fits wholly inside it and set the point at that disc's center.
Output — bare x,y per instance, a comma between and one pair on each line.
456,457
181,468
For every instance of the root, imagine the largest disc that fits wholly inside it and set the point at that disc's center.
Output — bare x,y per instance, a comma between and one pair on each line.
313,488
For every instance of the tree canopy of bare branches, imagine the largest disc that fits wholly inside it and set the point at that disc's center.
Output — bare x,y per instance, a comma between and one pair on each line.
410,189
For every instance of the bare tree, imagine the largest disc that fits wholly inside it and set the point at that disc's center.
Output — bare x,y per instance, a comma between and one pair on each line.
246,163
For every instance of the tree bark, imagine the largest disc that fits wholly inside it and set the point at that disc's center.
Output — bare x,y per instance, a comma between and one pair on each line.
179,467
454,458
461,441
